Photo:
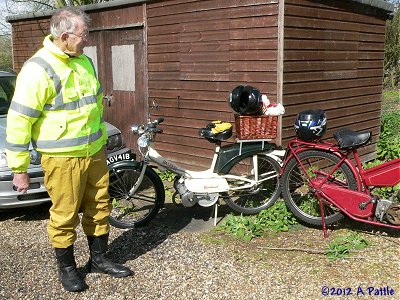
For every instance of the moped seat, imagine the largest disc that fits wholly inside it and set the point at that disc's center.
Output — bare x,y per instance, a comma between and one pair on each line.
221,136
217,131
349,139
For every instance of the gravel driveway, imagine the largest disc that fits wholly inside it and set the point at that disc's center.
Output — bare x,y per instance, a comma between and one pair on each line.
172,262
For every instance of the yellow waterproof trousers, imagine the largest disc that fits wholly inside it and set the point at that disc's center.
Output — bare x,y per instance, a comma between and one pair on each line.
77,184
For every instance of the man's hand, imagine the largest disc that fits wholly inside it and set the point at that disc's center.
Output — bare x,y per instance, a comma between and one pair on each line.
21,182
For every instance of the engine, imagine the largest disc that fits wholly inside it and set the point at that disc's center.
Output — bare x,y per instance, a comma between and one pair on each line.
381,208
393,214
386,210
188,198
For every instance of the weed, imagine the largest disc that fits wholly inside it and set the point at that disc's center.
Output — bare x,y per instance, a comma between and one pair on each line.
166,175
343,245
275,218
240,226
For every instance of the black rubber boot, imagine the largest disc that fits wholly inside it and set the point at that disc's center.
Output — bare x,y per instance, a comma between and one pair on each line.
98,263
69,277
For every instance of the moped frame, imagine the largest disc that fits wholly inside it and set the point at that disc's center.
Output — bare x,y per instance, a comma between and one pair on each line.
152,155
387,174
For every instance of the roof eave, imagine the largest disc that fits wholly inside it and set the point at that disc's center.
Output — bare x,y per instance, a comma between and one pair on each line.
379,4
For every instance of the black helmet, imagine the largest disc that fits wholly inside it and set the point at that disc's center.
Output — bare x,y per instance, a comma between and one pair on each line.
310,124
245,100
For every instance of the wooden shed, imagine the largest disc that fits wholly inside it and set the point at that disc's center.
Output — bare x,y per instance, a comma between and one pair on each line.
181,58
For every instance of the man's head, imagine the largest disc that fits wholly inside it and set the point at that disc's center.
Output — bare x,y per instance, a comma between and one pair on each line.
69,28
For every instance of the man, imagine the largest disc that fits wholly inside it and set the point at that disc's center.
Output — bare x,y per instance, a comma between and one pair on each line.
57,106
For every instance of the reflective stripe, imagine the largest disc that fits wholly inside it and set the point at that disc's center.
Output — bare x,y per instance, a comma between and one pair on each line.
58,100
17,147
91,62
64,143
73,105
25,110
100,90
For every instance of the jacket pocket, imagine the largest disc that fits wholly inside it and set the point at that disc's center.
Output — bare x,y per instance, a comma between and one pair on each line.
53,127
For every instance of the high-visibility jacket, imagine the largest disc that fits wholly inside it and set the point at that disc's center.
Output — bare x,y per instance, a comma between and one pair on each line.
57,105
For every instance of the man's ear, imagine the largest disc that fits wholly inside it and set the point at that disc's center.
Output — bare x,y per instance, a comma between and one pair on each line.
64,37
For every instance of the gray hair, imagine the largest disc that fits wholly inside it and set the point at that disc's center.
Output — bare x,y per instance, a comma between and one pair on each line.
65,20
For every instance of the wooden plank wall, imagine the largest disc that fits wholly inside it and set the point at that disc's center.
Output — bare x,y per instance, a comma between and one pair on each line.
116,17
198,51
333,60
27,38
28,35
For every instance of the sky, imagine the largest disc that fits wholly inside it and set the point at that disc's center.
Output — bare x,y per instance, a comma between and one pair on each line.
3,14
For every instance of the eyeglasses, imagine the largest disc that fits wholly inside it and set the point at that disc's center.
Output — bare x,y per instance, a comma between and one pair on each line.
84,36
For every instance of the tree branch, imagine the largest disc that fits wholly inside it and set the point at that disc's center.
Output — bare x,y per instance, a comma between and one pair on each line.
313,251
46,4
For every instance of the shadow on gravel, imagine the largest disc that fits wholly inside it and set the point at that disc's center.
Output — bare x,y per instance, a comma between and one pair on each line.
369,229
172,219
39,212
349,224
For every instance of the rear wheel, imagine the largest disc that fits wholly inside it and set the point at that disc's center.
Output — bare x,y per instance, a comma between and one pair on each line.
261,195
296,188
139,209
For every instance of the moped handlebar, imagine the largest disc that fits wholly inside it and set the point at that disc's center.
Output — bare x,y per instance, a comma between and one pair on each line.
151,127
155,123
159,120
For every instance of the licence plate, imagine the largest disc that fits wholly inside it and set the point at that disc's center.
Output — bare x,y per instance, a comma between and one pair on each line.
120,157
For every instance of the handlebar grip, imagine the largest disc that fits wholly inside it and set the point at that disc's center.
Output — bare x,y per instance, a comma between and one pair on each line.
160,120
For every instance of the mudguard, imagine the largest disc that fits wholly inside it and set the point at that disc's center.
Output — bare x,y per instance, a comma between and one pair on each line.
138,165
123,163
230,154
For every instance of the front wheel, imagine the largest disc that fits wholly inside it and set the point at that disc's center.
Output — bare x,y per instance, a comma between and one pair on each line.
139,209
298,194
263,194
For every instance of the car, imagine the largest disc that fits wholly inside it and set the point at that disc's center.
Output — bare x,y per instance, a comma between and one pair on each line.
37,193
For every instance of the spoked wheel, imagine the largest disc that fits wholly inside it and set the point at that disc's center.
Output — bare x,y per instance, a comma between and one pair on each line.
260,196
297,192
137,210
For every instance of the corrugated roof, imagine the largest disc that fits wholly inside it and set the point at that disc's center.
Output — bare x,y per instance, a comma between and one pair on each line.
380,4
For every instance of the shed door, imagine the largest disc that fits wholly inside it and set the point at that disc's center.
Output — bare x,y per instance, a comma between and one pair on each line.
120,67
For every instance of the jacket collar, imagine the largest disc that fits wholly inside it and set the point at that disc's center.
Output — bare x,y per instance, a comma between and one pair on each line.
49,46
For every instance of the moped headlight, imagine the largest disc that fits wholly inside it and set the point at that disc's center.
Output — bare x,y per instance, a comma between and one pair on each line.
3,159
143,141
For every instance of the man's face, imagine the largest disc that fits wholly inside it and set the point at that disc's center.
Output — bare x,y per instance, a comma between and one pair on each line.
77,40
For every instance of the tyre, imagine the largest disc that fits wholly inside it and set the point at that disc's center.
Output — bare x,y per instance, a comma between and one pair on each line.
139,209
261,195
296,189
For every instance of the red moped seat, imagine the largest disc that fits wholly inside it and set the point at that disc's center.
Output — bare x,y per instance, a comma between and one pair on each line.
349,139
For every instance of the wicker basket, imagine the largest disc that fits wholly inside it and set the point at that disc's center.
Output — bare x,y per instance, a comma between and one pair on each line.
256,127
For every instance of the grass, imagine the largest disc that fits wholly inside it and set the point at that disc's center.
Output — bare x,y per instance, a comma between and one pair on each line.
391,101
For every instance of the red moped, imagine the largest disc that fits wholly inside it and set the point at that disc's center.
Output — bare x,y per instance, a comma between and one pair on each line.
323,181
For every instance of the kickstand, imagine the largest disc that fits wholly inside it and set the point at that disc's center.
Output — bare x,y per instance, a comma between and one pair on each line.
321,207
215,210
